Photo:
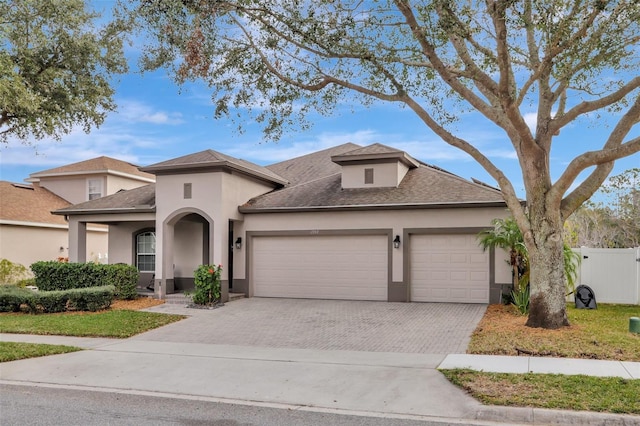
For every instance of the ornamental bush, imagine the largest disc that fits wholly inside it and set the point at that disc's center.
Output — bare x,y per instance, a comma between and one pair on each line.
55,276
207,284
11,297
92,299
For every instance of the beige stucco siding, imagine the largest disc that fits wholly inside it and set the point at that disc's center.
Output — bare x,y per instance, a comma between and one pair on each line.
29,244
215,196
187,248
71,188
116,183
384,175
121,240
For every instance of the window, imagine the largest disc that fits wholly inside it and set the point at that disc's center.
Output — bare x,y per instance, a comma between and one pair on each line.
94,188
146,251
368,176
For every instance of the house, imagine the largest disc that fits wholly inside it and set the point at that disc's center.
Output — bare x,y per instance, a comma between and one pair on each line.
29,232
349,222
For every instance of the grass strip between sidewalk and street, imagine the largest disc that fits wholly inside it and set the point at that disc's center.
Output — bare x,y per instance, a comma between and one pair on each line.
11,351
113,323
553,391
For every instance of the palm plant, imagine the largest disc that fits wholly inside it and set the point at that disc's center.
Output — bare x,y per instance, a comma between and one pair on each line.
506,235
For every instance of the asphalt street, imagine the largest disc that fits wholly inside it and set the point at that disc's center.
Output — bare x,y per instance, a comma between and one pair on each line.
43,406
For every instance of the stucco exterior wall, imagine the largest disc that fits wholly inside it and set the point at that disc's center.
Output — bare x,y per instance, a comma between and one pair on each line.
215,195
116,183
384,175
71,188
121,240
29,244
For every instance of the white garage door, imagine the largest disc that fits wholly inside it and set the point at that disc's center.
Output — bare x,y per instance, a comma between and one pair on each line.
448,268
321,267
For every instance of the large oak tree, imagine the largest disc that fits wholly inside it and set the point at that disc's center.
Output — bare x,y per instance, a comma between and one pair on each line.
567,58
55,68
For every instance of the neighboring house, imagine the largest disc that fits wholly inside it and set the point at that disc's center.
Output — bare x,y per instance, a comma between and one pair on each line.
350,222
29,232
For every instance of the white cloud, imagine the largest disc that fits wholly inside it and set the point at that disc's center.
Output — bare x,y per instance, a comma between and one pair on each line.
139,112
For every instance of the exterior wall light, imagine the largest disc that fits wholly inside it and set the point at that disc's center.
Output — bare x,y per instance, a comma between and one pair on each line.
396,242
239,243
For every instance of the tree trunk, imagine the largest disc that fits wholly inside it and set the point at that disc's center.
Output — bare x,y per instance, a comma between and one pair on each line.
548,307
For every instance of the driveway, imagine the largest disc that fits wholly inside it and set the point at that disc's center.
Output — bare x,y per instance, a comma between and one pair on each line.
428,328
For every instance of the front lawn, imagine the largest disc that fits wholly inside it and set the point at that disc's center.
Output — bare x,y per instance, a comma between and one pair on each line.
11,351
601,333
583,393
112,323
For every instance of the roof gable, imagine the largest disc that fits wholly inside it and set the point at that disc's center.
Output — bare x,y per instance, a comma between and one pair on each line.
209,160
96,165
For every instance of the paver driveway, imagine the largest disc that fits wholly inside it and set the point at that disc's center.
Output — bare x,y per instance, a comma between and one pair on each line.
435,328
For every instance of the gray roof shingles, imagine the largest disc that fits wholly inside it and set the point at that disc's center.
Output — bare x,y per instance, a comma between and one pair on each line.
314,183
141,199
421,186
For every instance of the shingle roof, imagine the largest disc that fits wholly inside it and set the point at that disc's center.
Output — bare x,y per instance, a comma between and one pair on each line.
141,199
374,152
209,159
29,203
311,166
423,185
95,165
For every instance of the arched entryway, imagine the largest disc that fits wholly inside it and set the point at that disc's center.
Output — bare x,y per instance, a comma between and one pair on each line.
186,242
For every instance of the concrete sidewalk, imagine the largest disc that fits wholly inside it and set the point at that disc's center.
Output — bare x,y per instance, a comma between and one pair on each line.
350,382
522,365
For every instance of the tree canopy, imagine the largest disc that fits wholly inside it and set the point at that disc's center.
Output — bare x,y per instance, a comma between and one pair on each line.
566,58
56,66
610,219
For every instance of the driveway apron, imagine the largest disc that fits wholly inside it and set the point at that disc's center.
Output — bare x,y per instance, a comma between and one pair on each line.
428,328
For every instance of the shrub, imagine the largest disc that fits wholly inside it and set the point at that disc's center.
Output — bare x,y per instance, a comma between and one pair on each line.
90,299
53,276
207,283
11,272
125,280
11,297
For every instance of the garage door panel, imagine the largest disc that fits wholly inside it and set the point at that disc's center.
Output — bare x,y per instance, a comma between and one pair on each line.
448,268
327,267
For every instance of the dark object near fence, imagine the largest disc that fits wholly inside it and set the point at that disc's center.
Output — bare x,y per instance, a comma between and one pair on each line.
585,298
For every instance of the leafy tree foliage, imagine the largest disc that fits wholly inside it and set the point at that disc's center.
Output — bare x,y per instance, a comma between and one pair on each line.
56,67
612,218
569,59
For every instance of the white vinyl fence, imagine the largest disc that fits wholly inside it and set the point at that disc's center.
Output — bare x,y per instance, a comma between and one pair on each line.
612,274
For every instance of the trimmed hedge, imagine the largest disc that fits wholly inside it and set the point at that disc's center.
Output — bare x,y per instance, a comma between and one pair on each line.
79,299
11,297
54,276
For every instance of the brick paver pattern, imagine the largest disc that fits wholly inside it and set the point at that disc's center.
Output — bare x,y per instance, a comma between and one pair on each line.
434,328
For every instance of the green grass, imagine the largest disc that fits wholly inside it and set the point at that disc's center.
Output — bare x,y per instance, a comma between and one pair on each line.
601,333
11,351
116,324
582,393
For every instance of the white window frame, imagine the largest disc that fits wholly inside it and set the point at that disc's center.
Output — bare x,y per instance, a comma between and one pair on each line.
94,188
144,253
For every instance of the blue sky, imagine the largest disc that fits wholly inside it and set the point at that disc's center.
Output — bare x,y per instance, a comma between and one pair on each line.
157,120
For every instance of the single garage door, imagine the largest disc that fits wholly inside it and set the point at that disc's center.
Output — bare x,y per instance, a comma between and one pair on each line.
321,267
448,268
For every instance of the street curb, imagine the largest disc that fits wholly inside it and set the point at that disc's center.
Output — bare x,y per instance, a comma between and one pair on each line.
542,416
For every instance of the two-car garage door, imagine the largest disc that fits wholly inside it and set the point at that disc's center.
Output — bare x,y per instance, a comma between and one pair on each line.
442,267
353,267
448,268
